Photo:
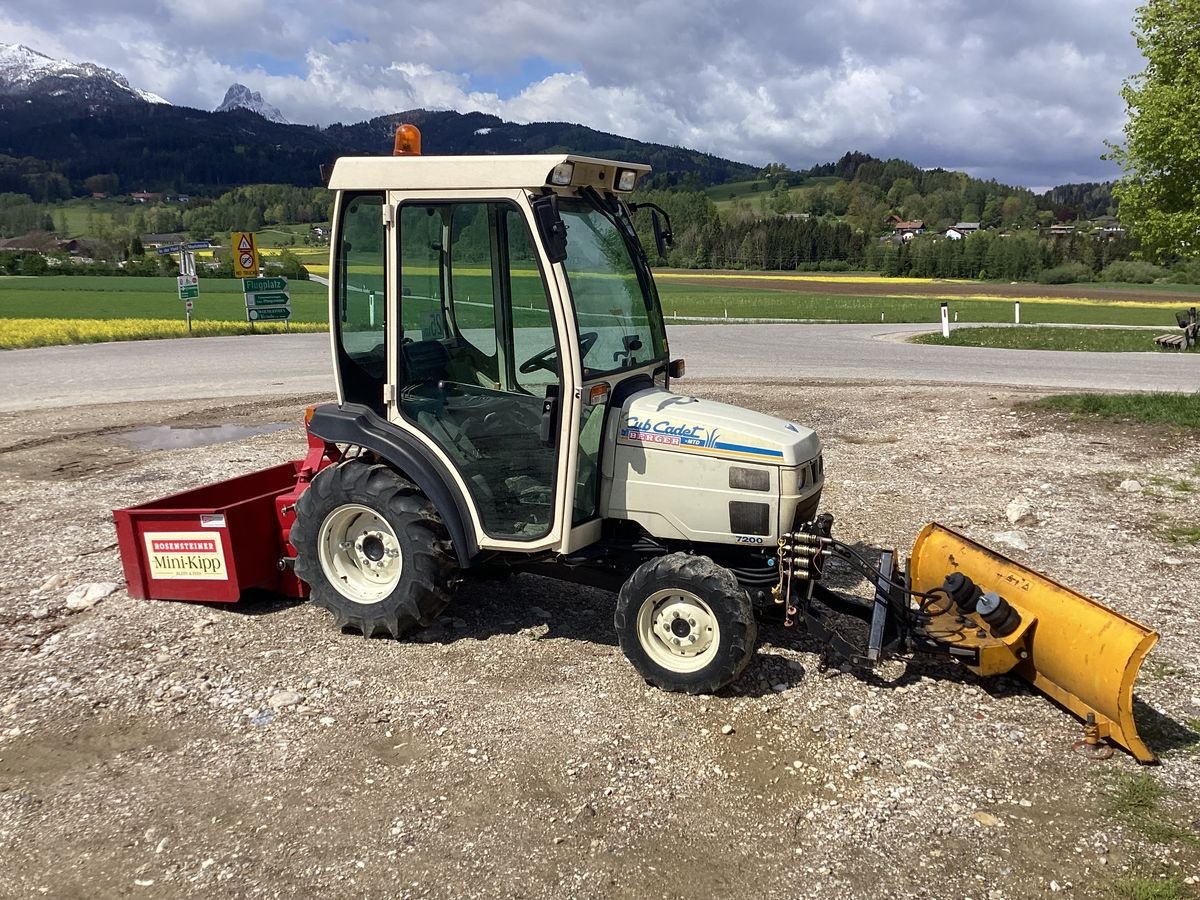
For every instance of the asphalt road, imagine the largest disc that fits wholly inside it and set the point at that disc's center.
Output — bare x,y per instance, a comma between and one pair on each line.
273,364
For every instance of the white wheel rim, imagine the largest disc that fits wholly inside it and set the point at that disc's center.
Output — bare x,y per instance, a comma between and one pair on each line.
359,553
678,630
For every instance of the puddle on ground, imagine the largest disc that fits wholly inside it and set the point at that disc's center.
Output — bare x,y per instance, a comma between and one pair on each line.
164,437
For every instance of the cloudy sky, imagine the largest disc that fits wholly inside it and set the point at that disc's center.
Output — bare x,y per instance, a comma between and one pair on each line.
1025,91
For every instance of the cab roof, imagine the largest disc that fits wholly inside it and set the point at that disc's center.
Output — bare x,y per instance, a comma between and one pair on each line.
455,173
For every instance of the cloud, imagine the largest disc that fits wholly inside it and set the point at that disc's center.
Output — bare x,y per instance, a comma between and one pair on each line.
1024,91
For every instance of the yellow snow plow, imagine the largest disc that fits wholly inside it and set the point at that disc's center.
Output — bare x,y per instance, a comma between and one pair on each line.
960,599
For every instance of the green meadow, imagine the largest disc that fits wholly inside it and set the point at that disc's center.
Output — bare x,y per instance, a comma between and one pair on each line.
122,297
717,302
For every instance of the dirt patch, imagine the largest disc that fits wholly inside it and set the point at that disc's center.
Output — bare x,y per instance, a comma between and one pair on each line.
140,753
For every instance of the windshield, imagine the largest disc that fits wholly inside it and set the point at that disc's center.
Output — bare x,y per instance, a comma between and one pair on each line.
613,294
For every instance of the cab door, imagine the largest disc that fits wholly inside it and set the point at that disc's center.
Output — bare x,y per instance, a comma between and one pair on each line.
478,367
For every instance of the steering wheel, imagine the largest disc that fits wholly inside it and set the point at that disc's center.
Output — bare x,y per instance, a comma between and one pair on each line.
548,357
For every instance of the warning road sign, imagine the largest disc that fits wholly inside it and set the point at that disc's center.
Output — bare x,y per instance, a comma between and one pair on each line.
245,255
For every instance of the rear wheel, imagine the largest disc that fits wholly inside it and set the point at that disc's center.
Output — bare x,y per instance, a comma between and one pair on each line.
372,549
686,624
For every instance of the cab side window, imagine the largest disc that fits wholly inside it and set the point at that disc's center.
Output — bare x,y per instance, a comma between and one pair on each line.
361,300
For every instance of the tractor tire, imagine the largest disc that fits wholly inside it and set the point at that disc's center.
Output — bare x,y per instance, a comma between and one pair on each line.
686,624
372,549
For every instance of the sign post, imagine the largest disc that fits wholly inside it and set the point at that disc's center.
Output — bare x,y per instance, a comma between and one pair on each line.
267,300
245,254
189,283
945,320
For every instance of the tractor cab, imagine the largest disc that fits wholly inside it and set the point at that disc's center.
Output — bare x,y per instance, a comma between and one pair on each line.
489,309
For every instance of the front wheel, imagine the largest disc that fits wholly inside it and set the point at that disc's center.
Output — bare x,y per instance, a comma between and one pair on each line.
686,624
372,549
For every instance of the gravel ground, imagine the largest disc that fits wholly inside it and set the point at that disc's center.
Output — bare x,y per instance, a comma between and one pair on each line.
178,750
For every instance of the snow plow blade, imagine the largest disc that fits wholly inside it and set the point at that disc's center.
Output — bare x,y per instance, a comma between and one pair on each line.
1078,652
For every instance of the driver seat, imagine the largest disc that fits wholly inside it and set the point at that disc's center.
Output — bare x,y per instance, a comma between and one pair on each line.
423,364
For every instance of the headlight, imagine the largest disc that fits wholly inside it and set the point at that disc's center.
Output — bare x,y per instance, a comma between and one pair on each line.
625,180
562,173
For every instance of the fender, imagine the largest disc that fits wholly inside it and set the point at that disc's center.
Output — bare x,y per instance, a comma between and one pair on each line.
353,423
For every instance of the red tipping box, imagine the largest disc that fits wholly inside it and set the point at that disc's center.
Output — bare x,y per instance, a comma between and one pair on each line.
211,543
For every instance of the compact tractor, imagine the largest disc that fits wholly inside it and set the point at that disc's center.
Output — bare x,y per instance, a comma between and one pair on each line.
504,404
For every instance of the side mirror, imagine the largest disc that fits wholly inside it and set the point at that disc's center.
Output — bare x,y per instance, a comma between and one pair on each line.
676,368
551,228
661,240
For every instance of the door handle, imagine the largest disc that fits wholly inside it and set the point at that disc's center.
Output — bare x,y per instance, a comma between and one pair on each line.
549,429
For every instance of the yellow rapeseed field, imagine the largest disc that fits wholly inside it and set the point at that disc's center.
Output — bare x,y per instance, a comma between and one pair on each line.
22,333
830,279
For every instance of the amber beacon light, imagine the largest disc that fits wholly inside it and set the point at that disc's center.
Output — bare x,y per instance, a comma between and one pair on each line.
408,141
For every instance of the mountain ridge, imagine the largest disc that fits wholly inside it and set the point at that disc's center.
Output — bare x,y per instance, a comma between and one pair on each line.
241,97
25,71
64,123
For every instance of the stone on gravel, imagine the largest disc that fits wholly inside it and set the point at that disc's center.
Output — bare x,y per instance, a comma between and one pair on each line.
986,819
726,729
1020,512
284,699
1014,539
55,582
1130,486
85,596
535,632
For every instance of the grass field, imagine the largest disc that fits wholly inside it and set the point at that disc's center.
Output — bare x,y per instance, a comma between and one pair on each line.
274,237
1110,340
737,302
1179,410
726,196
99,297
87,216
844,299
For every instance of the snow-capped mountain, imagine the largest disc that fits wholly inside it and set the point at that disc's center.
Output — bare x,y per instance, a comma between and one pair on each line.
27,72
241,97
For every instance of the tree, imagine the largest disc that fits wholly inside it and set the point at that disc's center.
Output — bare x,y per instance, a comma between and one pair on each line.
1159,193
34,264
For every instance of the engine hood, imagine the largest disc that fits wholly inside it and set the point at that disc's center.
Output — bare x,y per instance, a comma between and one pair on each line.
675,422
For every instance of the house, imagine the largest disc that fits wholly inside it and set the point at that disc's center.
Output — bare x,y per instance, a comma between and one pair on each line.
33,242
99,195
960,230
1062,229
144,197
905,229
1108,226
